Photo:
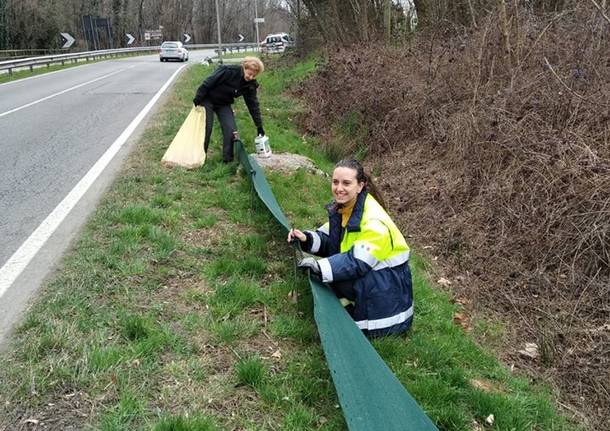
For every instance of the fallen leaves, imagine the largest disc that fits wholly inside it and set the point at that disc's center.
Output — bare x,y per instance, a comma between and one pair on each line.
462,320
444,282
485,385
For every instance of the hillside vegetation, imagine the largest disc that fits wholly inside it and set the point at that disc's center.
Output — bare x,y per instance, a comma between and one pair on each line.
491,142
179,307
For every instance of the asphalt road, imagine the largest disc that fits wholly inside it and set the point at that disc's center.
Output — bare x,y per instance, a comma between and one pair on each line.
63,137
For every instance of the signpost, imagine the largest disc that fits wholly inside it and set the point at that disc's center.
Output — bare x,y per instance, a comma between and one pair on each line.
241,37
153,34
218,28
130,38
256,21
187,37
98,32
69,40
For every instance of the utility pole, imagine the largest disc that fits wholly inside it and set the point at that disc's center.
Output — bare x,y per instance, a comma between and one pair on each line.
219,40
256,23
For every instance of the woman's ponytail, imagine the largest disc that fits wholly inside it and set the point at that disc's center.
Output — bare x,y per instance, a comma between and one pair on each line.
375,191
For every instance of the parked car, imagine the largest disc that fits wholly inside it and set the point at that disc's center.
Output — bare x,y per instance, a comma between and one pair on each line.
173,50
277,42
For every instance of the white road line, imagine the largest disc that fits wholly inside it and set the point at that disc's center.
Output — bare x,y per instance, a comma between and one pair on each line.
63,92
23,256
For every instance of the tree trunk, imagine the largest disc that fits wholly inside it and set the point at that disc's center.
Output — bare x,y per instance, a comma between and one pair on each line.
388,19
364,20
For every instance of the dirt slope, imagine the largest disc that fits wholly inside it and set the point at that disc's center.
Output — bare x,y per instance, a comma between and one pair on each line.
492,147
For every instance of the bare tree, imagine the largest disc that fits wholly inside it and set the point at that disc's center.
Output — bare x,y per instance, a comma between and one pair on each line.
37,23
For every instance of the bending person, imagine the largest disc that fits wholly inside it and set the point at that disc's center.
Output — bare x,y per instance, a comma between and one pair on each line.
365,258
218,92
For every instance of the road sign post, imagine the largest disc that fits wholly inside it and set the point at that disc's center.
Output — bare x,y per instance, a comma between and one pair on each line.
218,28
93,36
256,21
69,40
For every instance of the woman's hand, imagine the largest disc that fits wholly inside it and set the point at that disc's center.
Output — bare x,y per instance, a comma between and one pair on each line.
296,234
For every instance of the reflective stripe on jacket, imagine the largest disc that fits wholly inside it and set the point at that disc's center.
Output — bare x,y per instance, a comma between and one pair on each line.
368,260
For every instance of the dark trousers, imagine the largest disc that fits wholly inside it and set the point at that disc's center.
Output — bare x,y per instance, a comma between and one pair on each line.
227,124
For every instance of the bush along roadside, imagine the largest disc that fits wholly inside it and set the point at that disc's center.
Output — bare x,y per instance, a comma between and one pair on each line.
179,307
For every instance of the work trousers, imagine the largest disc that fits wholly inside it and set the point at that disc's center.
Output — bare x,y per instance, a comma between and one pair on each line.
227,124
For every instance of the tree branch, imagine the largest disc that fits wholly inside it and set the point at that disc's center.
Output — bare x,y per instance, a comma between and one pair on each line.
600,10
583,98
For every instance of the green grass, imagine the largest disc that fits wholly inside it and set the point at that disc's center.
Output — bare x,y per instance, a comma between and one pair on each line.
180,423
20,74
175,310
251,372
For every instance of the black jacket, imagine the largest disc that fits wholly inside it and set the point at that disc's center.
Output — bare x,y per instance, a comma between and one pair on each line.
224,85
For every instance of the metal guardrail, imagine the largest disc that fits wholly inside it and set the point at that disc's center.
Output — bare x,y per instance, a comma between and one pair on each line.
15,54
47,60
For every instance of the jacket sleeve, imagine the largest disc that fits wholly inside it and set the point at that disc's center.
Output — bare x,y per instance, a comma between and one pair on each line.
251,100
317,242
373,245
217,76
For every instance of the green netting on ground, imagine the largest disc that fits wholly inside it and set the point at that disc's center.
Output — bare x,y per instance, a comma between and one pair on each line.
371,396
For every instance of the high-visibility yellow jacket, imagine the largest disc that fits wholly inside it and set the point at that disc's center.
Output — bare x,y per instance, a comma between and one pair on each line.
366,262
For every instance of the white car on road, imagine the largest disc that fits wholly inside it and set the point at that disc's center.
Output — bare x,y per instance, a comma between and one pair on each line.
277,42
171,50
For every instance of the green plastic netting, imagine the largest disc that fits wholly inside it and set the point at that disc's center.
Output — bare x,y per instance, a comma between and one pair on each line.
371,396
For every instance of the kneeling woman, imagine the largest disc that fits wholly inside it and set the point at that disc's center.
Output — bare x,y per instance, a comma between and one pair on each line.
365,257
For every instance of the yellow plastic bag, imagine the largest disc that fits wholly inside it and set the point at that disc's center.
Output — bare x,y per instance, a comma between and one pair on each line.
186,149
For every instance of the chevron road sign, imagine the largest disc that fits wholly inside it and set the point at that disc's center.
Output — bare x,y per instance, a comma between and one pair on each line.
69,40
130,37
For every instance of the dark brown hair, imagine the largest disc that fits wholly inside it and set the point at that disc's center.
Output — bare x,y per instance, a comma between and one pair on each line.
362,177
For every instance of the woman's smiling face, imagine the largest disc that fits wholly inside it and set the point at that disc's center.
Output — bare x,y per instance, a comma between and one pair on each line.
345,186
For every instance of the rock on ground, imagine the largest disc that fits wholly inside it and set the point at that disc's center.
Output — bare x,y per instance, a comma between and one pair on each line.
287,163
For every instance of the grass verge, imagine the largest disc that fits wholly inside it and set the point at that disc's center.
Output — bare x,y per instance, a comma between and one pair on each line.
176,309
